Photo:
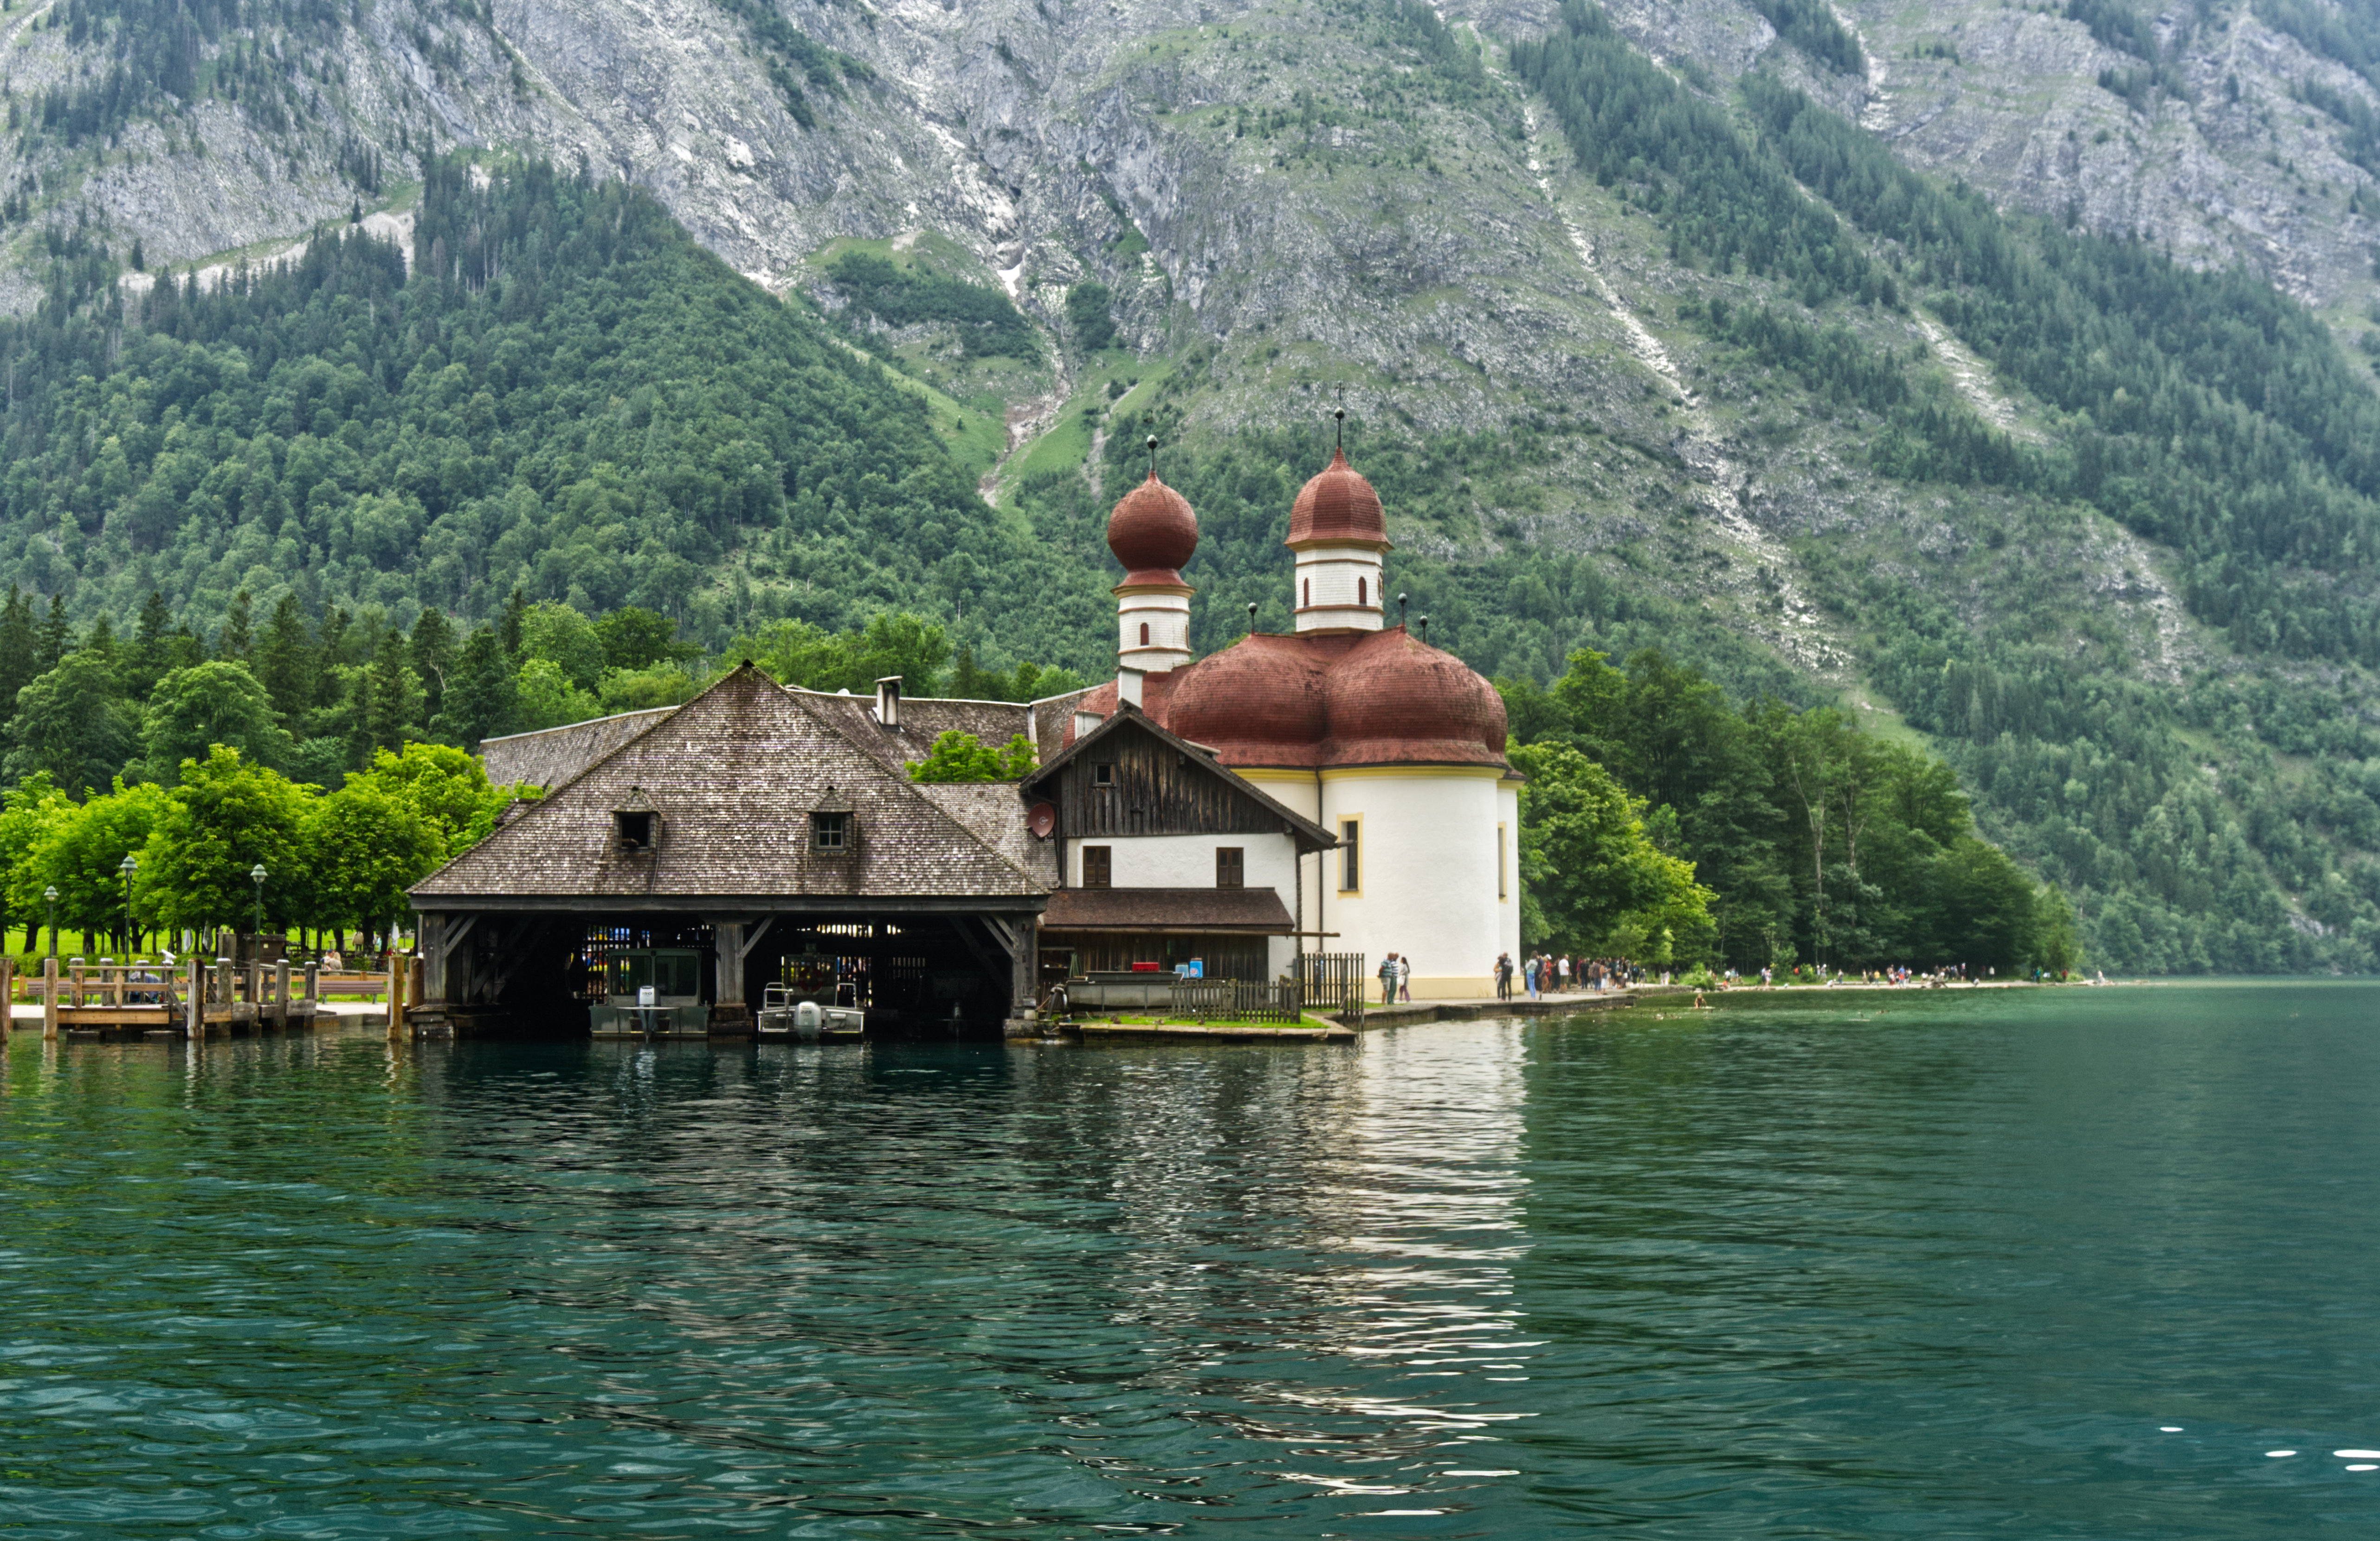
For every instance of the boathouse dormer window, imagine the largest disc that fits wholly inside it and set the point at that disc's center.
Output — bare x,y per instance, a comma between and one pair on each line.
833,829
635,825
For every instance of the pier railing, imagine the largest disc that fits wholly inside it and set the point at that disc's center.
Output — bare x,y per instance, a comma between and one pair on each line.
1238,1000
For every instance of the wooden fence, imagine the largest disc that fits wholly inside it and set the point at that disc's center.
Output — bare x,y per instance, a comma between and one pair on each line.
1238,1000
1330,981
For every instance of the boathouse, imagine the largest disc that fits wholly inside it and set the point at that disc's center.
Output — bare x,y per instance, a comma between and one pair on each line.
710,849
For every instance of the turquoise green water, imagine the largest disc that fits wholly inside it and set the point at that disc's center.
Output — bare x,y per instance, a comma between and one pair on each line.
2057,1266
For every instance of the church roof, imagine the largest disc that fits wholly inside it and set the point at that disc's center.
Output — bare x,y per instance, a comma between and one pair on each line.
1320,700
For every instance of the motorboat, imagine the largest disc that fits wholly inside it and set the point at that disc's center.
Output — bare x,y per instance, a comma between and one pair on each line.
787,1011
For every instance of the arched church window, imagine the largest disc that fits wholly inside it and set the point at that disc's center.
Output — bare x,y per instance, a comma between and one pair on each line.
1309,593
1363,590
1144,633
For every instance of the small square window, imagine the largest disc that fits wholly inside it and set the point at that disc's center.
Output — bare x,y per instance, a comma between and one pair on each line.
829,832
1231,867
1103,775
1098,866
634,831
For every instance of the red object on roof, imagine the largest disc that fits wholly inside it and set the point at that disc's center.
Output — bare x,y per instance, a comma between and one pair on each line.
1325,699
1338,504
1154,533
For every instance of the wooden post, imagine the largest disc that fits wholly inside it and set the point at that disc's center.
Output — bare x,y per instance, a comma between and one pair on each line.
395,995
255,984
281,993
314,983
194,1001
7,999
49,1000
74,996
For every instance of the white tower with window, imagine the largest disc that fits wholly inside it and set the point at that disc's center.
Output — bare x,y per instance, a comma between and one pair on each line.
1338,534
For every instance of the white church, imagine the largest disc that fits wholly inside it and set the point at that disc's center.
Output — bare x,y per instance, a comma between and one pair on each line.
1379,759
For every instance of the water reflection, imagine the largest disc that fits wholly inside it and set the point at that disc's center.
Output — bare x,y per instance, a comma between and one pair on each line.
1767,1276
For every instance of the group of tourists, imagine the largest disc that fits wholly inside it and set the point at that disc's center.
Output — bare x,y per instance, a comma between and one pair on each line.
1545,974
1396,978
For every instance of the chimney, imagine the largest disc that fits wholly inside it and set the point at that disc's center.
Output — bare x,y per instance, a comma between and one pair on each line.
888,701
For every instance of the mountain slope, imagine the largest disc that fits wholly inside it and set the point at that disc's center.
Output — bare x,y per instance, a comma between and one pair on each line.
1674,329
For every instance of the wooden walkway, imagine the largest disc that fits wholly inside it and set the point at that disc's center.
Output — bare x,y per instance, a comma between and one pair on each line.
135,1002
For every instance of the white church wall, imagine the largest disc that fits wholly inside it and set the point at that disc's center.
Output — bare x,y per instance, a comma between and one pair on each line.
1427,874
1188,861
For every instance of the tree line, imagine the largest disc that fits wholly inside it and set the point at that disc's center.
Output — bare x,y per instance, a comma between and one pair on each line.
1661,821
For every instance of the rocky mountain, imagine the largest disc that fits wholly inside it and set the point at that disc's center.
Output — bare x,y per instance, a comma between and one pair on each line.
1757,412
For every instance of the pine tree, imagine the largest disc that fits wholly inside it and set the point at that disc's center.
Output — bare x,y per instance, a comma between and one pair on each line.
150,658
234,643
508,630
56,639
431,653
478,692
285,663
17,649
385,701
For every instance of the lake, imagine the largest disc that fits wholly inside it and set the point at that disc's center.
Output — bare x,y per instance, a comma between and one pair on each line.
2022,1263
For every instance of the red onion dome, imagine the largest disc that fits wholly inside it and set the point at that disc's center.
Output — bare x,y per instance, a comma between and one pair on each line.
1153,531
1338,504
1259,701
1395,699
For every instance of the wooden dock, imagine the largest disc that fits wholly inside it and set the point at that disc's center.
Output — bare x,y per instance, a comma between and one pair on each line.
138,1002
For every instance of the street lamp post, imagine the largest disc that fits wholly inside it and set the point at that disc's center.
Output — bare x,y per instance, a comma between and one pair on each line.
51,895
131,865
256,875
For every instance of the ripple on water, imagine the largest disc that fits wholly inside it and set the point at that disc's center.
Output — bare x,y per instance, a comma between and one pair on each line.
1767,1273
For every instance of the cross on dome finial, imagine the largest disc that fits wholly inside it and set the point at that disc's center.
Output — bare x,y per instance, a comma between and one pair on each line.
1340,412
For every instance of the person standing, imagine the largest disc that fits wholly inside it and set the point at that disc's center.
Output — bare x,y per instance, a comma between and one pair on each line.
1529,975
1562,972
1503,976
1388,979
1404,977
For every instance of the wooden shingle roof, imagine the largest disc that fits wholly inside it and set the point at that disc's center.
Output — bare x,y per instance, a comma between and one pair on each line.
734,775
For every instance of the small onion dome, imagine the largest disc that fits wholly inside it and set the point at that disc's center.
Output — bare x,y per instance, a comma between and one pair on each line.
1261,701
1153,531
1395,699
1338,504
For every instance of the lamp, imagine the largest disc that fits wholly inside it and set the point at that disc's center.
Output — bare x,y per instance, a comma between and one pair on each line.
256,875
129,865
51,894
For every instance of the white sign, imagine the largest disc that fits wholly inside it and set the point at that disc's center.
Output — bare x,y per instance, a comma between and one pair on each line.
644,995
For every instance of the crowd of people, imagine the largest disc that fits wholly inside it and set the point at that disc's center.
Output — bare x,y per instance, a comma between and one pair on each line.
1542,974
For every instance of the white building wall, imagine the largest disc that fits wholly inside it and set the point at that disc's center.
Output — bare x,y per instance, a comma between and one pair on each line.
1167,616
1188,861
1507,813
1338,586
1428,874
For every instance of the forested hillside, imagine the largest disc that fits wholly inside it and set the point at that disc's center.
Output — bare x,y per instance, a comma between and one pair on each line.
1858,359
554,389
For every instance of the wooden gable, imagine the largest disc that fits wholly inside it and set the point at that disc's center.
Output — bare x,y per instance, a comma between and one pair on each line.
1131,778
